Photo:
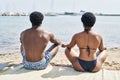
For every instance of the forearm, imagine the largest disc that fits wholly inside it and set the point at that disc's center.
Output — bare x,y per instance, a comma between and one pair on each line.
52,47
55,41
66,45
100,51
58,42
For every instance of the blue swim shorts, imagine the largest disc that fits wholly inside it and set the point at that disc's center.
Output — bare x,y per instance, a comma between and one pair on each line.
42,64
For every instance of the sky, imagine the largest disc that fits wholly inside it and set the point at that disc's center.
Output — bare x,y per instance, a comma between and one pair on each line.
96,6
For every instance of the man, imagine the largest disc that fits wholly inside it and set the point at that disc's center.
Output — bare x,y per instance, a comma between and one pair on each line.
88,42
34,42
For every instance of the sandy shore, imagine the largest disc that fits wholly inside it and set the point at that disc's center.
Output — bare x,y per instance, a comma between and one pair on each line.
112,61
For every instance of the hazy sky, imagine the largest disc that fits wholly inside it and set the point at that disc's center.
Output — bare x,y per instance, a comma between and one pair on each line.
100,6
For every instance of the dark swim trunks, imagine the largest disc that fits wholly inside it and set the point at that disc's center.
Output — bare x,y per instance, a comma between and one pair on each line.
87,65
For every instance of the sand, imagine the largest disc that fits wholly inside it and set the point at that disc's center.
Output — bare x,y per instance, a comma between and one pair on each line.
112,62
57,73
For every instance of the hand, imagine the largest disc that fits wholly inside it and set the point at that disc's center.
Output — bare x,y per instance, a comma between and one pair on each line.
63,45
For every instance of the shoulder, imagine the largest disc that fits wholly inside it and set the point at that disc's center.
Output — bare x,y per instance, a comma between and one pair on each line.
23,32
98,36
47,33
78,34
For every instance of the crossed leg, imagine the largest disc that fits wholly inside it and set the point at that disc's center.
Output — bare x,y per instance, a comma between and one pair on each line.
53,50
100,60
73,58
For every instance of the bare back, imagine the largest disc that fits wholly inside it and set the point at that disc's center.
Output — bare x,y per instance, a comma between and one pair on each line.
90,39
84,40
34,42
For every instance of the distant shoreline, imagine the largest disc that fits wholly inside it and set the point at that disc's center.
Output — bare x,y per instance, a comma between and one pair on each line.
54,14
108,14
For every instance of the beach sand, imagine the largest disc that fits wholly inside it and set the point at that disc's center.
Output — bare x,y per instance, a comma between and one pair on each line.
112,62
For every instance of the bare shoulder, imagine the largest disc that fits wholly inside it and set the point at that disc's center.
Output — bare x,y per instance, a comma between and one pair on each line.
75,35
22,33
47,32
78,34
97,35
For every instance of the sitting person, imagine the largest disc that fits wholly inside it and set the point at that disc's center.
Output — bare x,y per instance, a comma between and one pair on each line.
33,44
88,42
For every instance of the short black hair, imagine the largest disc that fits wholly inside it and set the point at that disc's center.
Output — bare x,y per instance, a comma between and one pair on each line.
88,19
36,18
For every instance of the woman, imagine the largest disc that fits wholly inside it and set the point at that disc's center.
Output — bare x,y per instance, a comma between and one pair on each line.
88,42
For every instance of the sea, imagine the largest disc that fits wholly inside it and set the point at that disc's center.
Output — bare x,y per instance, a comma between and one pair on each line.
62,26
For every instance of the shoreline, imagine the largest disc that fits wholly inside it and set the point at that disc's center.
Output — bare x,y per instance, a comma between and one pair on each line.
56,13
112,62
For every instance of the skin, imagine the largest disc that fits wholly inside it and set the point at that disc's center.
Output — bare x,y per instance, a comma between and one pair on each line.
34,42
81,40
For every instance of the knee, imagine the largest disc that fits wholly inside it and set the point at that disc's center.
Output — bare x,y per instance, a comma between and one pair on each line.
56,47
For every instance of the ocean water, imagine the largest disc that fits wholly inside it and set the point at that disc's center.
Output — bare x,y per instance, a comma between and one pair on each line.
62,26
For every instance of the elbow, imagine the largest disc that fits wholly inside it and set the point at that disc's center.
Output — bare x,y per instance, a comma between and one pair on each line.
103,49
69,48
58,42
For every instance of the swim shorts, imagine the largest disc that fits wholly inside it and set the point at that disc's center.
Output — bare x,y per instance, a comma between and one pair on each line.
42,64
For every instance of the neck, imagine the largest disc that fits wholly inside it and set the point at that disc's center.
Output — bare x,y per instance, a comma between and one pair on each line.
35,27
87,29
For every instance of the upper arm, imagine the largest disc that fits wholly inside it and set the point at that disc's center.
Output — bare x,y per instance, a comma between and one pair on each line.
101,46
21,35
72,43
53,39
